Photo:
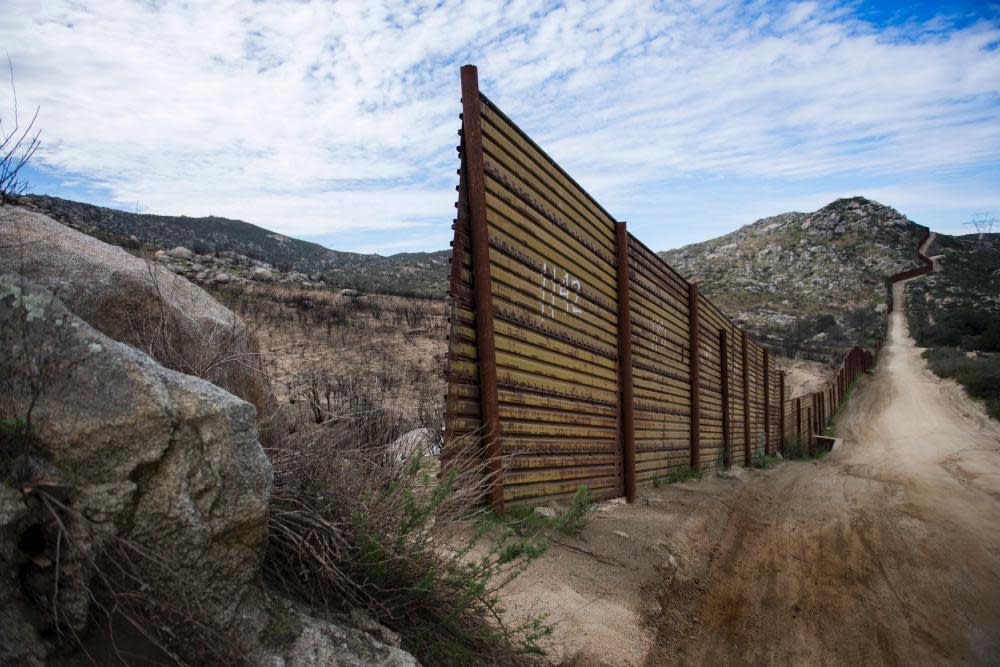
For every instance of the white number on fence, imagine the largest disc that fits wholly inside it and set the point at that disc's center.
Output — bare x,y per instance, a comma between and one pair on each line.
560,292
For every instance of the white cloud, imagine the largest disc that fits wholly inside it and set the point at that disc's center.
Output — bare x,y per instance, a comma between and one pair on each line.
314,117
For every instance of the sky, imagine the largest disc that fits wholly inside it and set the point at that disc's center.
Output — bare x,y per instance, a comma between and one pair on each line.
337,122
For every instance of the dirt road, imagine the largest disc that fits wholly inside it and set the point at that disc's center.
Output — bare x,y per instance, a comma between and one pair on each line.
885,552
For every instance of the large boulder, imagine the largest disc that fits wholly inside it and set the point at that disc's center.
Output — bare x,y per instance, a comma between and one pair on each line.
137,302
124,451
262,274
104,455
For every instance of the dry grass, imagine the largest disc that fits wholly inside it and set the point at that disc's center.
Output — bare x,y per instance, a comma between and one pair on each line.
330,357
134,605
355,524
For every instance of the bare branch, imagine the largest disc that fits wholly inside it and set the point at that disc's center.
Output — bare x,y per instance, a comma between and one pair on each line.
17,147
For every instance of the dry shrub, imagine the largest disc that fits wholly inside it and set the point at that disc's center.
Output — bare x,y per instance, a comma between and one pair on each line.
359,525
226,354
108,597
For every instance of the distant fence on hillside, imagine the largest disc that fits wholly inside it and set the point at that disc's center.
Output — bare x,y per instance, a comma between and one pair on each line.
576,355
927,265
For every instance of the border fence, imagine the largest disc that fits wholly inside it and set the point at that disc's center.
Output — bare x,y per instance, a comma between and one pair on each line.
576,355
926,266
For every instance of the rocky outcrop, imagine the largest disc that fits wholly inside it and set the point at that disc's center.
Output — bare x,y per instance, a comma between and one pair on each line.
130,451
778,270
136,302
117,471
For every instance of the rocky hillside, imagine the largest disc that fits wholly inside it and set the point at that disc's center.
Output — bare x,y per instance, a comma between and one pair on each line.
812,281
958,305
403,273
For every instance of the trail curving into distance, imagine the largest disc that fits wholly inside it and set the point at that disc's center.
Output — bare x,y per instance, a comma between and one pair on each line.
885,552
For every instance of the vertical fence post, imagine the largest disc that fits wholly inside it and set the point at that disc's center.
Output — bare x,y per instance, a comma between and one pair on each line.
798,418
472,140
767,404
626,402
822,409
809,436
816,415
727,442
781,404
747,453
693,326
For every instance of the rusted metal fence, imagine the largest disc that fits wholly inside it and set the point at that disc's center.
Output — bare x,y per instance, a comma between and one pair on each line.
576,355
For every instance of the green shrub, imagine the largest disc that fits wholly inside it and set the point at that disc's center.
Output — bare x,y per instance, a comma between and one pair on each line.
574,519
571,521
760,459
794,447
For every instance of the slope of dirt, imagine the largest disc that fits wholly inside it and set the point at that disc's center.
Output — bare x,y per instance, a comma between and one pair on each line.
805,377
885,552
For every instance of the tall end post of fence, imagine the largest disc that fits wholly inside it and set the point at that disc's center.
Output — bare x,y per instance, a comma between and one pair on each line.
695,381
817,414
625,395
811,430
475,179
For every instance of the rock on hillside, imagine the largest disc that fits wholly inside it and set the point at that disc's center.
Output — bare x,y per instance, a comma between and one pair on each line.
775,272
136,302
423,273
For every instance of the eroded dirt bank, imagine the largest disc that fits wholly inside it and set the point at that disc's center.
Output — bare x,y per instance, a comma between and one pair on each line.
885,552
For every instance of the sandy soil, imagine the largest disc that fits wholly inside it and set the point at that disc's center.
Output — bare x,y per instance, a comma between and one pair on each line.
887,551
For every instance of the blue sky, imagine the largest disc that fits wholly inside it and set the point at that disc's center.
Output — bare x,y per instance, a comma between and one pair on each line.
336,122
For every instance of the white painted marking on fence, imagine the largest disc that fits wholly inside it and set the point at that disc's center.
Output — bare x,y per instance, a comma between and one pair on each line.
559,293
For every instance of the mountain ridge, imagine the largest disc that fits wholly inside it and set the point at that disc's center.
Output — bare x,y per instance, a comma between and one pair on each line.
812,283
420,273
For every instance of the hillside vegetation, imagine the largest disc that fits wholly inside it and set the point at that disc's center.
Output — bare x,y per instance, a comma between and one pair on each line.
954,312
421,273
813,283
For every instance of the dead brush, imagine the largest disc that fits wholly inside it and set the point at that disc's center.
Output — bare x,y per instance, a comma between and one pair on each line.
225,354
359,525
110,598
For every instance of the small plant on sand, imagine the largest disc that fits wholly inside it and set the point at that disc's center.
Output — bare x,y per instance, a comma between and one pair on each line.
761,460
794,447
571,521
